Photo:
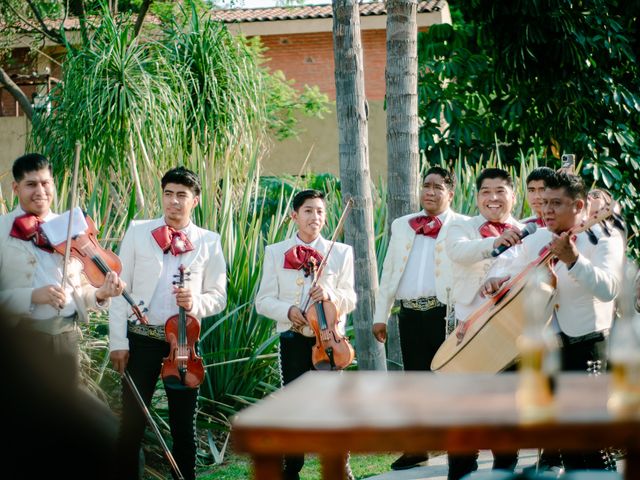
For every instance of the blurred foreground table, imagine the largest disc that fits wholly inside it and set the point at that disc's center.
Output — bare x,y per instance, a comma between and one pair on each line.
332,413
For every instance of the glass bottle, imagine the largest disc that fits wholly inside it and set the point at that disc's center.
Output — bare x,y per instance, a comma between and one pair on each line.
539,357
624,356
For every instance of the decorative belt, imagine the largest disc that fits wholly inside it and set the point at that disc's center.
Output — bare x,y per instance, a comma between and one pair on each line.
151,331
421,304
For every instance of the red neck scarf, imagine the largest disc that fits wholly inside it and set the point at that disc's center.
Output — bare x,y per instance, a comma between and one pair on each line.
171,240
27,227
426,225
299,257
494,229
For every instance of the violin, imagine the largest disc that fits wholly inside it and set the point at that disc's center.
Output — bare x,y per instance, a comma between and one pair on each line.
96,261
332,350
182,368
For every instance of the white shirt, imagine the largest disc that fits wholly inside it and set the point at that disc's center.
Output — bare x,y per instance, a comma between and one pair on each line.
163,302
418,279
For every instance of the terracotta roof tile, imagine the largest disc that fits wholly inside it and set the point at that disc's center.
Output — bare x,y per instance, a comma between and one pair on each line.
240,15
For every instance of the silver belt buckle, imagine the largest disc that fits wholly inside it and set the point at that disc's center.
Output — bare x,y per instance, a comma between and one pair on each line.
150,331
421,304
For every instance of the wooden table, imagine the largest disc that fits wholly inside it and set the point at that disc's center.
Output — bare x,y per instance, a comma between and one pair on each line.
330,413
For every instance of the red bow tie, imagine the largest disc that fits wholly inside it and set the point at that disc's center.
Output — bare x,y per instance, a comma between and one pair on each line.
171,240
27,227
299,257
494,229
428,226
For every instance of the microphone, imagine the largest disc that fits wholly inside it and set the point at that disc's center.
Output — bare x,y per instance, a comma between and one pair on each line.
527,230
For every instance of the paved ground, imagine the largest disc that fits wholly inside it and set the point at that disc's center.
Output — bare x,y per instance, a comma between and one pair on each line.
436,468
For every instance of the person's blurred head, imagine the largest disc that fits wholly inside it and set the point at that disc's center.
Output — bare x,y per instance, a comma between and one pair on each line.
495,196
33,183
598,198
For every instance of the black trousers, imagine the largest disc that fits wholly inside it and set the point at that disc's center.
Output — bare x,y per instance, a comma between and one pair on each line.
578,357
295,360
421,334
145,364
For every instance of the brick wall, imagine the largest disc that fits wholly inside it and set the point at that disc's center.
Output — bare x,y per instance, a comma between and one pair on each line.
307,58
24,63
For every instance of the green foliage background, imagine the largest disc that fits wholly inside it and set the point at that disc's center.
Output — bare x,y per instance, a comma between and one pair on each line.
540,77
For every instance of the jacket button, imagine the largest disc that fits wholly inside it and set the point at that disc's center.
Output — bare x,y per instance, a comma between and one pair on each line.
404,258
437,272
299,281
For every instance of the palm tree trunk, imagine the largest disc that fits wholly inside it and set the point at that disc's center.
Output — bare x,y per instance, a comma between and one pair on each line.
354,174
401,77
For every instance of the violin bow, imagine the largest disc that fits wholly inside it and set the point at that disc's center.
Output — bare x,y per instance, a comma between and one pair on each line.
74,190
152,424
320,268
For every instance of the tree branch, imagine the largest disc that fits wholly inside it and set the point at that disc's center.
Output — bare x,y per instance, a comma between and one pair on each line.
17,93
46,31
140,20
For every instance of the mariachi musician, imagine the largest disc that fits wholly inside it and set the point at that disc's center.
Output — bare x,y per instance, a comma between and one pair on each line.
152,253
469,244
536,183
31,273
589,274
417,272
286,284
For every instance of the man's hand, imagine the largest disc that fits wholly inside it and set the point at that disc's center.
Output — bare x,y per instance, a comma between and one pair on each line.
509,238
119,360
563,247
184,298
380,332
492,286
112,287
318,294
297,317
49,295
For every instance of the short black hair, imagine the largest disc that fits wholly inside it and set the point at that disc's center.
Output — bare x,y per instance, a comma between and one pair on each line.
494,173
29,162
540,173
304,195
573,185
182,176
449,178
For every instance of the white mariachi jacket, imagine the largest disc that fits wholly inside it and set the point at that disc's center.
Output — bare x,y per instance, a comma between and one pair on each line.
280,288
142,260
471,255
400,245
17,268
585,293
